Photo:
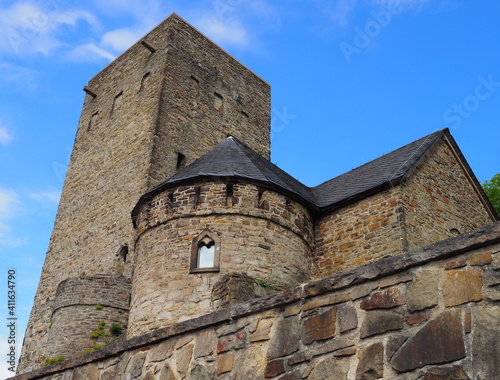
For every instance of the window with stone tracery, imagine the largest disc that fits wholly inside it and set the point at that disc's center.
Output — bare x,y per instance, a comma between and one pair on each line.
205,253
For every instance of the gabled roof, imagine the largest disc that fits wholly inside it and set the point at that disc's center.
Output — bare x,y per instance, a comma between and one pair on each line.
383,172
231,160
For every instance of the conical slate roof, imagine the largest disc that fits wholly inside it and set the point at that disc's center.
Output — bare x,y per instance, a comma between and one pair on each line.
232,160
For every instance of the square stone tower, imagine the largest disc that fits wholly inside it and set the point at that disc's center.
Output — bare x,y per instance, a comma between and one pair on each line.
162,104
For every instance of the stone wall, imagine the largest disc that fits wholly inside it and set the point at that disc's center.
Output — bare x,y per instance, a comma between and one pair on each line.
262,235
435,201
439,200
132,128
431,313
361,233
79,306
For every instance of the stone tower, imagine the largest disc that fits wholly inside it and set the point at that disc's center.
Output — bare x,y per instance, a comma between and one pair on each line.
161,105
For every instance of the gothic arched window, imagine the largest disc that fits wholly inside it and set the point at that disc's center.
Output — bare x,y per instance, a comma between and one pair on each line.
205,253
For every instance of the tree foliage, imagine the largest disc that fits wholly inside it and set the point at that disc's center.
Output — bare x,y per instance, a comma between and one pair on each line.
492,190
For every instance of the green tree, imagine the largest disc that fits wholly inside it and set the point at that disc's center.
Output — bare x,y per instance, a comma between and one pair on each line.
492,190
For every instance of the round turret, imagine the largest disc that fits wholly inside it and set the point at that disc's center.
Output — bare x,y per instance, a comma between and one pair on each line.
192,238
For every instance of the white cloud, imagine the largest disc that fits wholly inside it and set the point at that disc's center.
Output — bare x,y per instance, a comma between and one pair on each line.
10,207
27,27
224,32
5,135
9,201
121,39
338,11
46,196
90,53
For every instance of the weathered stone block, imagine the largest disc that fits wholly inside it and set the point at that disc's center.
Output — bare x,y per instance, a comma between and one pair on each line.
329,366
486,347
331,345
274,368
167,373
393,344
423,292
329,299
205,372
299,357
204,344
380,321
462,286
371,362
481,259
416,319
446,373
183,358
319,327
286,340
348,318
385,299
263,330
439,341
224,362
135,364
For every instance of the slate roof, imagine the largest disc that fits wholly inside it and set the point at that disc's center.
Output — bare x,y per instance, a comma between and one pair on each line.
232,160
383,172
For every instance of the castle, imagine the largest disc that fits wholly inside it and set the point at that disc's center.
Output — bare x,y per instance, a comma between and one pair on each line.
171,211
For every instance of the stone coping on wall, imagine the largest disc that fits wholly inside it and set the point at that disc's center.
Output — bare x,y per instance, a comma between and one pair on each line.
440,250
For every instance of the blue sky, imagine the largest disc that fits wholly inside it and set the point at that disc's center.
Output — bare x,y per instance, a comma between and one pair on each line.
351,80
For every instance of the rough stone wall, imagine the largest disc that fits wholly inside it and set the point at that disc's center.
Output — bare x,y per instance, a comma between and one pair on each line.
439,200
80,305
431,313
361,233
207,95
127,141
265,239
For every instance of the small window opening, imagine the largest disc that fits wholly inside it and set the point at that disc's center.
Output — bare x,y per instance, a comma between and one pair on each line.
229,195
197,193
455,232
123,252
180,161
206,253
171,198
218,102
143,81
92,121
117,101
288,206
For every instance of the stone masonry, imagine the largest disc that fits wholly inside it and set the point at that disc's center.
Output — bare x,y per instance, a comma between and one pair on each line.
171,159
262,236
431,313
435,201
132,136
